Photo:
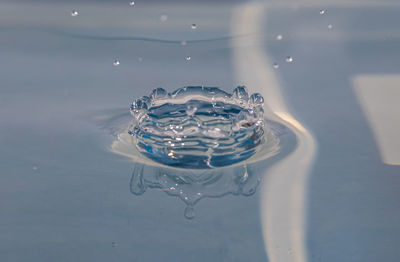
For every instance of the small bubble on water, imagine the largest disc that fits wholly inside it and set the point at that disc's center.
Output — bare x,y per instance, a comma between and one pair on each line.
193,26
163,18
189,212
116,63
131,3
188,58
330,26
74,13
322,11
289,59
279,37
191,109
183,42
275,65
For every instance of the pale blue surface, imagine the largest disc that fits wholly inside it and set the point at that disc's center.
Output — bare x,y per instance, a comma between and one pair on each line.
77,202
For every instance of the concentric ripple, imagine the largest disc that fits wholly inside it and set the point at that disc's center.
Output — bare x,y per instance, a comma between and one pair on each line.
198,127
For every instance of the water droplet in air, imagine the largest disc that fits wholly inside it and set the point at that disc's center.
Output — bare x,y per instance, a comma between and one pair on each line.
183,42
189,212
275,65
279,37
188,58
163,18
330,26
289,59
131,3
191,109
116,63
193,26
322,11
74,13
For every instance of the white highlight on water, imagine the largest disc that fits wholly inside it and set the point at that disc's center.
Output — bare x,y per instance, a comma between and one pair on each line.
283,198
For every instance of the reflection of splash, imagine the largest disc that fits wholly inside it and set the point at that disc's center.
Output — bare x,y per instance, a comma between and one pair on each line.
193,185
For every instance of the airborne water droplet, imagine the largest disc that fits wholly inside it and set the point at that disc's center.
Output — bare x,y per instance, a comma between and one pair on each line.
330,26
322,11
289,59
116,63
131,3
189,212
193,26
275,65
279,37
74,13
163,18
188,58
